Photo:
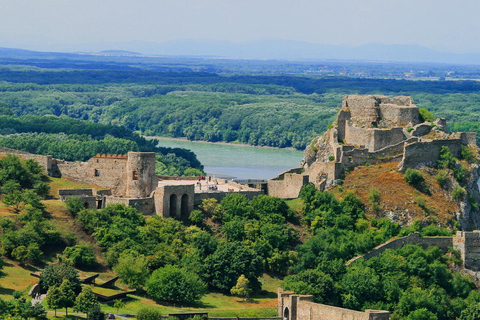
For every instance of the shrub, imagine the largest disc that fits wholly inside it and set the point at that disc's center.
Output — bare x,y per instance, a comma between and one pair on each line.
410,129
79,255
458,193
447,160
374,199
331,158
467,153
442,178
414,178
425,115
148,314
196,217
74,205
460,173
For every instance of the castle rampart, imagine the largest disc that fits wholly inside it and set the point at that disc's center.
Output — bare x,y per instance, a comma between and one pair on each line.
468,243
45,162
301,307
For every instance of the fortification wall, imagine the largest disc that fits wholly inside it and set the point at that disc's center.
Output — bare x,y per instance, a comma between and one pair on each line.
289,187
143,205
332,169
302,307
105,171
67,193
427,152
360,137
46,162
363,108
386,137
442,242
468,243
400,115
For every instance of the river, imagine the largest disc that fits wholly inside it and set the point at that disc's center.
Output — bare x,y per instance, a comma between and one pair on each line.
238,161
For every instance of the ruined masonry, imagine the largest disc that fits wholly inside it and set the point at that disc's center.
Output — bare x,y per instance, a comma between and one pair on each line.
131,180
370,129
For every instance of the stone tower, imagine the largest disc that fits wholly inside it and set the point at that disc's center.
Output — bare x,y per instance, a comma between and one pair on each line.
141,177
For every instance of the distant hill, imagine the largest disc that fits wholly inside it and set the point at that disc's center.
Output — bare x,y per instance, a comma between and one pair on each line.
121,52
272,50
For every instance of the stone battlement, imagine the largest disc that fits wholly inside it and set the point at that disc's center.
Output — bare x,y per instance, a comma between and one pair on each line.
111,156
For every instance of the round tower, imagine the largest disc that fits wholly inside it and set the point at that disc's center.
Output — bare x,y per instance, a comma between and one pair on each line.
141,177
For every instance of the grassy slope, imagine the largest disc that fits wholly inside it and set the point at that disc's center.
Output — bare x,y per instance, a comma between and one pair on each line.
397,196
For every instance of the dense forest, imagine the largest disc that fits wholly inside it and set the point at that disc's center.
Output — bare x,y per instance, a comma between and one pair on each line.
279,111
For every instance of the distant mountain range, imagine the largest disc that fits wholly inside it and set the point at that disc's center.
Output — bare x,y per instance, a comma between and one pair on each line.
277,50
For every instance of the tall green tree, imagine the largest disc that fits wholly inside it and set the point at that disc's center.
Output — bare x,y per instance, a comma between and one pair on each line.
86,300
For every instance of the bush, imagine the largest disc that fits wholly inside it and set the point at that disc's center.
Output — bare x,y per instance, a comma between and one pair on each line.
196,217
74,205
331,158
415,179
467,153
374,199
425,115
442,178
458,193
79,256
148,314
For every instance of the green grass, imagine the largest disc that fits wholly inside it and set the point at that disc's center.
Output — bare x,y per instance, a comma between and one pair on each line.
62,183
215,303
295,204
15,278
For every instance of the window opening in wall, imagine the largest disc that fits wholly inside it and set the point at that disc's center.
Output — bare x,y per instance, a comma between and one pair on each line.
97,173
135,175
184,206
173,205
286,314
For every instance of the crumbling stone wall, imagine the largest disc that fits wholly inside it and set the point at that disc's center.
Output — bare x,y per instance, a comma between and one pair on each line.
45,162
288,184
106,171
142,205
468,243
444,243
67,193
301,307
427,152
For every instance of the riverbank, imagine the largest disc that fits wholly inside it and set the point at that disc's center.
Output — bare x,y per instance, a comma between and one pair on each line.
218,142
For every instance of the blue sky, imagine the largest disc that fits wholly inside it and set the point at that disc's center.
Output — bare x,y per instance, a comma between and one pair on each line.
70,24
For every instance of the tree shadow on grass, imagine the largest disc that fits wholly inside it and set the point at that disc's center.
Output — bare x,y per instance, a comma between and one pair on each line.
6,291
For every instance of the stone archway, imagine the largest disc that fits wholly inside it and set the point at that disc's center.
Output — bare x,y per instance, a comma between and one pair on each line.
184,206
286,314
173,206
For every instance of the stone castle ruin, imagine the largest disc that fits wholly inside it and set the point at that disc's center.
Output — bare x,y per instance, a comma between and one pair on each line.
131,180
370,129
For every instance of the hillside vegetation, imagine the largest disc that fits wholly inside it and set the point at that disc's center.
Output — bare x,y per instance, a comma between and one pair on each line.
223,242
278,111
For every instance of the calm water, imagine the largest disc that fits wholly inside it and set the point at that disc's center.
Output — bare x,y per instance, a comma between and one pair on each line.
241,162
